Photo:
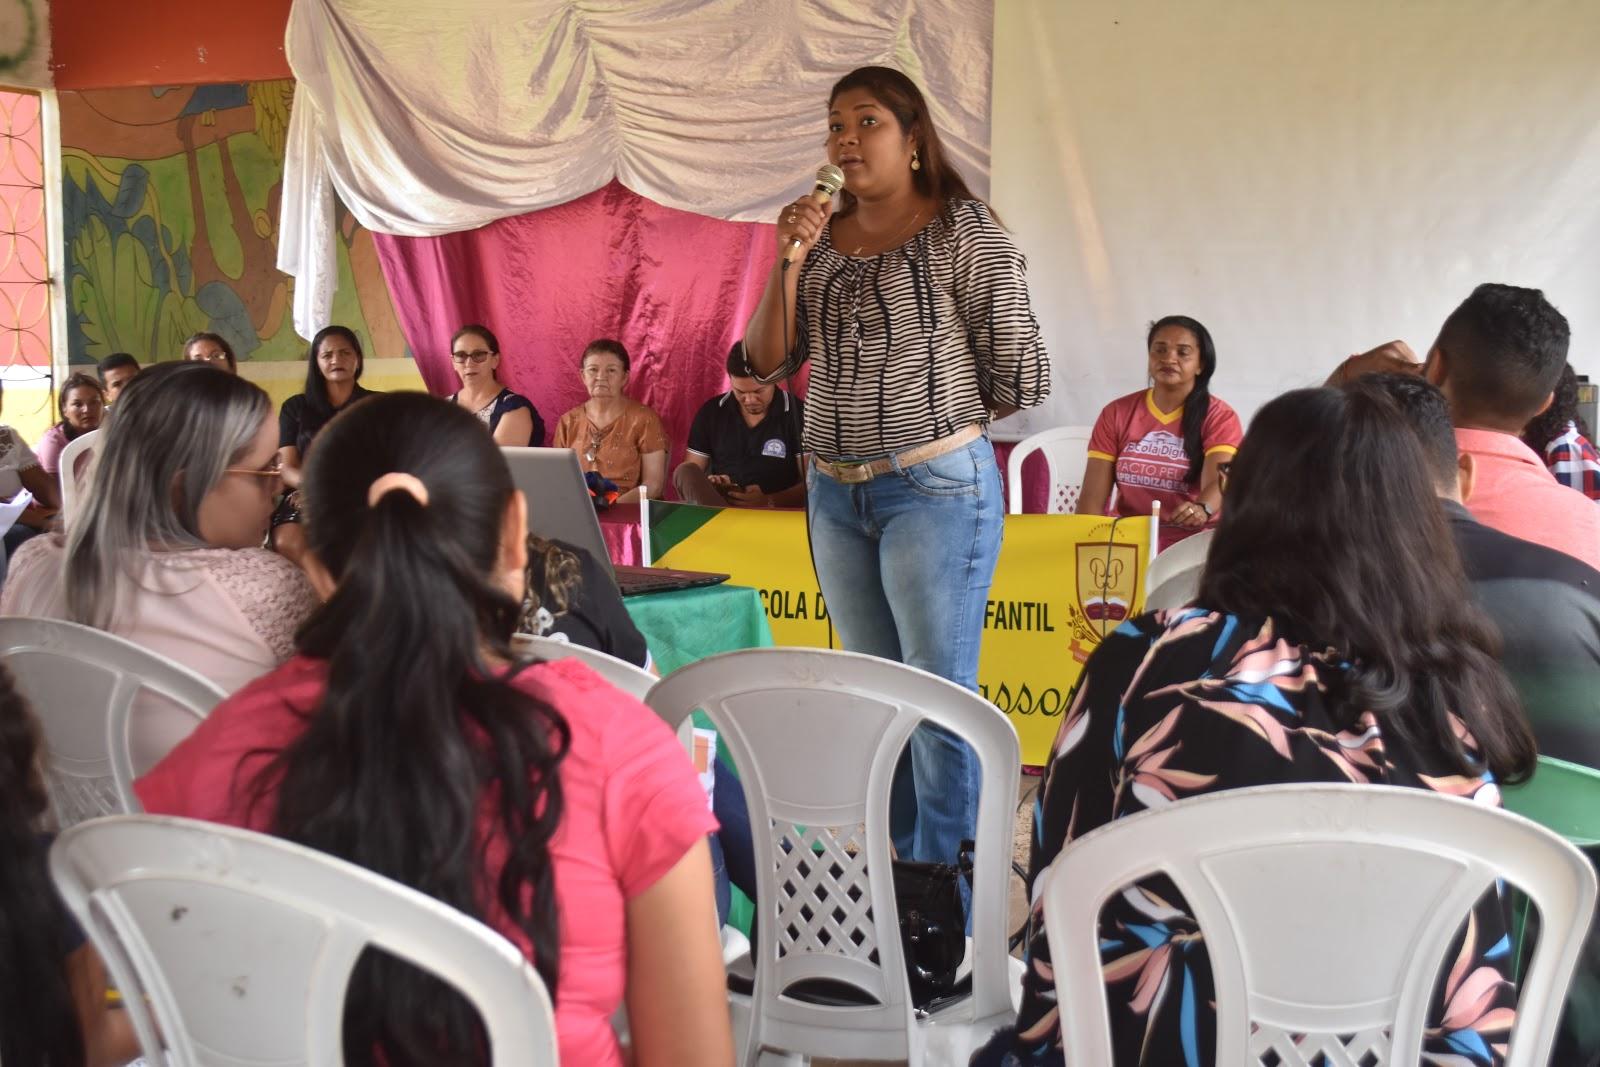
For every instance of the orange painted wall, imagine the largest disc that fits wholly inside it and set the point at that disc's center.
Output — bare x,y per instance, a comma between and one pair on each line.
98,44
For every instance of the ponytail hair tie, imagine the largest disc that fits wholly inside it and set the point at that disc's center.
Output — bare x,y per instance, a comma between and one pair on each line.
387,483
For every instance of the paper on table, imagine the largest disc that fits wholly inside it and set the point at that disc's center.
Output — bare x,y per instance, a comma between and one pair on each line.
11,509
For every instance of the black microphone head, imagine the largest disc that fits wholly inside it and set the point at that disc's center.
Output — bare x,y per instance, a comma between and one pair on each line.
830,179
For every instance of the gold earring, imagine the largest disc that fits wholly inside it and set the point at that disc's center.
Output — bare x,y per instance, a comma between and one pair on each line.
916,164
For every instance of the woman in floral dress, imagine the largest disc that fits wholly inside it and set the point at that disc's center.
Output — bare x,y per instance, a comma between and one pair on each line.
1333,640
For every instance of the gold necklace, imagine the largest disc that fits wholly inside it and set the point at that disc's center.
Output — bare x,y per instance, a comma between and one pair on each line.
894,242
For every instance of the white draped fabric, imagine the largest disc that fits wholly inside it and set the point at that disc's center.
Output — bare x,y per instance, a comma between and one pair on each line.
433,116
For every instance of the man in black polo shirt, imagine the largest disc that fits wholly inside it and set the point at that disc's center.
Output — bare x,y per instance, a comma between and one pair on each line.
1546,603
744,446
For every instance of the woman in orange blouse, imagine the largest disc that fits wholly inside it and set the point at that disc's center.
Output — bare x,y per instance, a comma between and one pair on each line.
616,436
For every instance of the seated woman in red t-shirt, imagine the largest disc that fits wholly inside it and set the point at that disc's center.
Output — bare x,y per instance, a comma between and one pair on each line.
405,737
1134,446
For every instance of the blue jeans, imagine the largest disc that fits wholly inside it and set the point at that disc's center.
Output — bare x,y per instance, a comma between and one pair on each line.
905,562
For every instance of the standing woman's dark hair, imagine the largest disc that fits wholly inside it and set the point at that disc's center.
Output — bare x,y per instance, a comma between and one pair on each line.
1198,404
1332,529
38,1022
317,401
418,722
935,177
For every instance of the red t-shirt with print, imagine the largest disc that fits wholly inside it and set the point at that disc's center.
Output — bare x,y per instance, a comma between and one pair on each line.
1145,445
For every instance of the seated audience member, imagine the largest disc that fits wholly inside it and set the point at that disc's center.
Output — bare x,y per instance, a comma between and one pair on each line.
53,1006
1134,447
1497,361
617,437
80,404
511,417
1323,646
166,551
116,370
1395,357
568,595
19,470
211,348
1545,603
744,446
406,738
333,382
1561,438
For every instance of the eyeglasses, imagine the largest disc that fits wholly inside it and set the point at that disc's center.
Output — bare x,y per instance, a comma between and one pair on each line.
217,356
477,356
271,470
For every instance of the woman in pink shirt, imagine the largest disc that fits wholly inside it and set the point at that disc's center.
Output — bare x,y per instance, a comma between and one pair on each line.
1165,443
405,737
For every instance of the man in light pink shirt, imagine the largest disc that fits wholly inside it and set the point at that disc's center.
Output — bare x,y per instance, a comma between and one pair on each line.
1497,361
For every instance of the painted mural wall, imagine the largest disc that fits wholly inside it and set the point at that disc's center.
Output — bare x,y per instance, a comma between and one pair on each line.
170,210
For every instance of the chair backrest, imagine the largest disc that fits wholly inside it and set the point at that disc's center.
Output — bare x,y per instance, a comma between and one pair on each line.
1174,577
83,684
1561,796
816,735
73,479
236,948
1387,874
635,681
1065,449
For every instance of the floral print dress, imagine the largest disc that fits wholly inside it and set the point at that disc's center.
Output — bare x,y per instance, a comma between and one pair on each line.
1175,704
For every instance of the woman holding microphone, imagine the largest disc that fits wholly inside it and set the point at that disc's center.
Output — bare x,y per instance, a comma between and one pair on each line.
911,304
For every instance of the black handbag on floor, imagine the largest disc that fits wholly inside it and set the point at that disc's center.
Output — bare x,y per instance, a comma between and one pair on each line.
933,924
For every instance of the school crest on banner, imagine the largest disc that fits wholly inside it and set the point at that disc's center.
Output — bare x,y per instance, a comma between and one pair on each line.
1063,582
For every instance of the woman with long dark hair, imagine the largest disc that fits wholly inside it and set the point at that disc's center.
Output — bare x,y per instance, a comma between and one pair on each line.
405,737
1134,450
911,305
1334,639
53,1009
334,362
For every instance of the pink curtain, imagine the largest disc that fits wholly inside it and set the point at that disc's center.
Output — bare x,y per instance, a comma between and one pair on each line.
674,287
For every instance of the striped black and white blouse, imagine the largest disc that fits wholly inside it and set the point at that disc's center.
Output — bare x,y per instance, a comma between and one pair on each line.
906,346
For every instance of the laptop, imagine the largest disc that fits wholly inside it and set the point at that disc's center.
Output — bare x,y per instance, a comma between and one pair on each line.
561,509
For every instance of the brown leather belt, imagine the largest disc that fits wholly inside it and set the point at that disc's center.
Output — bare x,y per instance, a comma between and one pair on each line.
866,470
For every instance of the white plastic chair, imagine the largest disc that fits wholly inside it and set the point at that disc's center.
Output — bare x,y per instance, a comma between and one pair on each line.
236,947
83,685
816,735
1173,579
1066,449
631,679
1327,912
73,480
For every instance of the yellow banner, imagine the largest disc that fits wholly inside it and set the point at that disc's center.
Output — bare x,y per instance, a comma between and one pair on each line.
1063,582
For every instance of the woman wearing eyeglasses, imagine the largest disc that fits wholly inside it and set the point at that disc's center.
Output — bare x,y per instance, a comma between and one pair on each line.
511,417
166,551
211,348
614,435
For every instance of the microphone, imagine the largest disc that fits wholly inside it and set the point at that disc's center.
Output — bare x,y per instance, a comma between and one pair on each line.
830,179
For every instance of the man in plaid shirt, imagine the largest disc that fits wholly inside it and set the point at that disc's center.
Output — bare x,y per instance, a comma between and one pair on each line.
1574,461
